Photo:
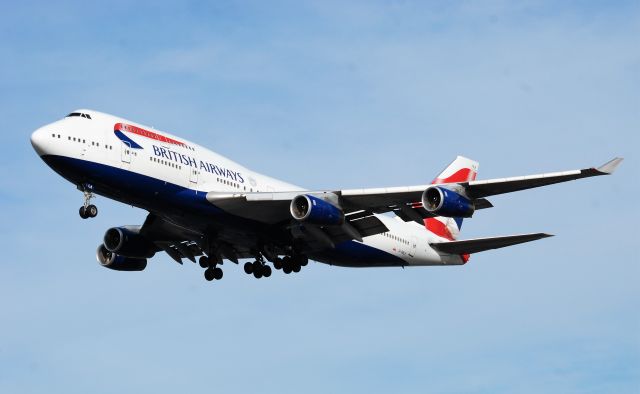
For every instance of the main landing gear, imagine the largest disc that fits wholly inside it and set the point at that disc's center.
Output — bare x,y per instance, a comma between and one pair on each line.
288,264
258,268
88,210
212,271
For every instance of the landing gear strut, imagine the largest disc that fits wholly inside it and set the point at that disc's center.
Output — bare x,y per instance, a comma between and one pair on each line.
88,210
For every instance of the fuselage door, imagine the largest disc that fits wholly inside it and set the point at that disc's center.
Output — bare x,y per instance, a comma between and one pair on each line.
126,152
193,175
413,246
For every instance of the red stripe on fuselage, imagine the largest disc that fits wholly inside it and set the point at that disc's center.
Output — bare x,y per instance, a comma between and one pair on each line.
146,133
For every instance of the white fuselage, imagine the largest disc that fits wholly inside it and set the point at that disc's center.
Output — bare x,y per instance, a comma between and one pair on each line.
179,163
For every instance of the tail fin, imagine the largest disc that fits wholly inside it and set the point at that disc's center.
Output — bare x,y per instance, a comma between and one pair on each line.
461,169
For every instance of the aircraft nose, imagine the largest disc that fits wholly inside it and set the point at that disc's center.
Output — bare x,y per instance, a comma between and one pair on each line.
38,140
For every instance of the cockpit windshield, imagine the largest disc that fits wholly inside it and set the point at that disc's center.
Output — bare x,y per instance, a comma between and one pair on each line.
79,114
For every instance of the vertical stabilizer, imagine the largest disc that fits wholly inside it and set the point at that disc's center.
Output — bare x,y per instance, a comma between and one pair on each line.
461,169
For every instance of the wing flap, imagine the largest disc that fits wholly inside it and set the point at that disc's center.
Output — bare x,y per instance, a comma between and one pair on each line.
470,246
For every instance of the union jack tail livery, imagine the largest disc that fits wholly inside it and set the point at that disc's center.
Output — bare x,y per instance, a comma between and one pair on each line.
461,169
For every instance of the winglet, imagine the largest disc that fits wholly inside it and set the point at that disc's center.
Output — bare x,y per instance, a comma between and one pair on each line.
610,166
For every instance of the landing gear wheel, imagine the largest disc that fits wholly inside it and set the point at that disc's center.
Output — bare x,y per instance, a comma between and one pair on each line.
303,260
296,267
217,273
203,261
83,213
286,269
277,264
209,274
248,268
257,274
91,211
266,271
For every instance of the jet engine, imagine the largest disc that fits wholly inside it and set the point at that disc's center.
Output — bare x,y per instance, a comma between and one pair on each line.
127,241
444,202
311,209
117,262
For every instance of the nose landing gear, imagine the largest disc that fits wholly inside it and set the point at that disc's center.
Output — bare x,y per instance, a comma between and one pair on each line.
88,210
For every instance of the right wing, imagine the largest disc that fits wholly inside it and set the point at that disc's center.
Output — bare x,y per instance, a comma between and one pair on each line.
360,205
273,207
478,189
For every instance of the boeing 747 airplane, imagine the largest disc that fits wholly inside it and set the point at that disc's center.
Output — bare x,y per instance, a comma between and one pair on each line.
204,206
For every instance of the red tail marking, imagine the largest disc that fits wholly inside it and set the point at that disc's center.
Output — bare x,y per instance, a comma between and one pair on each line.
438,228
462,175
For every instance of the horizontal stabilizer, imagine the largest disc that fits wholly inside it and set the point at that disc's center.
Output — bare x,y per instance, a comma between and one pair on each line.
470,246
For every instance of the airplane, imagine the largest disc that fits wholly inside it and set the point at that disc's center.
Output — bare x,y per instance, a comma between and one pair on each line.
207,208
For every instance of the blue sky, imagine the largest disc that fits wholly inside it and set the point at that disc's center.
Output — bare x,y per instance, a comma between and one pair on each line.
332,95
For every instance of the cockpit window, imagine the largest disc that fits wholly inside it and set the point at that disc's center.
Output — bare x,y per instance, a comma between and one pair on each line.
79,114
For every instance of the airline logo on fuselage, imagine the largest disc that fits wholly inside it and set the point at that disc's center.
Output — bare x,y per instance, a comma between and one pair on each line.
187,160
120,128
166,153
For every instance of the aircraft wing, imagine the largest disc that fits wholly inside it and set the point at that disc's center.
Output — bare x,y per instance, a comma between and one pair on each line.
477,189
359,205
405,201
474,189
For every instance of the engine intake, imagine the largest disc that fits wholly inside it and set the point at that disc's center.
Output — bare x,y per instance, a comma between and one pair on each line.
127,242
117,262
444,202
311,209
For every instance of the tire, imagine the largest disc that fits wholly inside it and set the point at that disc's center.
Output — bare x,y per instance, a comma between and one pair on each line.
277,264
248,268
92,211
208,274
304,260
203,261
217,273
296,267
257,274
286,269
267,271
83,213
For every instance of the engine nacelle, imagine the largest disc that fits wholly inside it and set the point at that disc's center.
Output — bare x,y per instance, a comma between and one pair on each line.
444,202
311,209
119,263
127,242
